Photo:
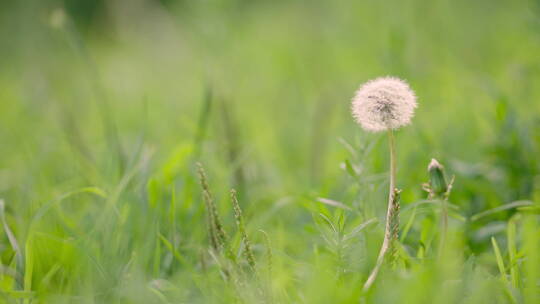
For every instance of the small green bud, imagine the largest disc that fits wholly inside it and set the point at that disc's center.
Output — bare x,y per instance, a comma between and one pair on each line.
437,181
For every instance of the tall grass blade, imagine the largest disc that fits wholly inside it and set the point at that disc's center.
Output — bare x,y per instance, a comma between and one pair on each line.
14,244
204,117
512,205
512,253
500,261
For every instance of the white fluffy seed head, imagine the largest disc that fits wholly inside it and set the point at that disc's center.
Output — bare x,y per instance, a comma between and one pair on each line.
384,103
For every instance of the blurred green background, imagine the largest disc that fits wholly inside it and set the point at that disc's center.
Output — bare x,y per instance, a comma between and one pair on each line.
106,106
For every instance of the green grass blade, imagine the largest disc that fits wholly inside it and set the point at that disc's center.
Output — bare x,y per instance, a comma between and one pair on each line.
509,206
500,261
170,247
28,265
512,253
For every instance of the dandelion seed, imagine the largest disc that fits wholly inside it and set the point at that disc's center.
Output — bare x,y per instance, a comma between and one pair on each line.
385,103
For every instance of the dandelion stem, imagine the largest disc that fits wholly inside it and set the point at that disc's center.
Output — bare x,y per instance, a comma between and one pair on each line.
390,213
392,169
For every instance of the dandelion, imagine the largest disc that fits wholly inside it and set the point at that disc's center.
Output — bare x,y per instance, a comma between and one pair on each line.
385,104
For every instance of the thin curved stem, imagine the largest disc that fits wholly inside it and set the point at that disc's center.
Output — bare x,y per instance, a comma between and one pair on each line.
391,206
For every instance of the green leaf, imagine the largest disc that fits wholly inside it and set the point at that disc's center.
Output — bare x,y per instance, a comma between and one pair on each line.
500,261
511,205
170,247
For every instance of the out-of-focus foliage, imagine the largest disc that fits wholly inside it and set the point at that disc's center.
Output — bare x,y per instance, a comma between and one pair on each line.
106,106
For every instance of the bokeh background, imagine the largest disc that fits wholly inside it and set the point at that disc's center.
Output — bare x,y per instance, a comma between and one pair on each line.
106,106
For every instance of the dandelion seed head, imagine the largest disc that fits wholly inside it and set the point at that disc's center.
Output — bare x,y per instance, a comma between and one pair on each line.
384,103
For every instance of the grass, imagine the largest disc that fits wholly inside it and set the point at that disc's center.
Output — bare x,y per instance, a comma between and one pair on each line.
106,109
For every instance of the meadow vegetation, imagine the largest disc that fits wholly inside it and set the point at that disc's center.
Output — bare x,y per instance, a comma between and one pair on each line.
204,152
